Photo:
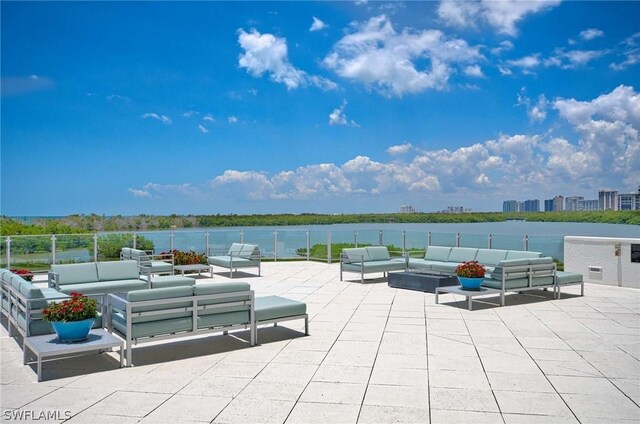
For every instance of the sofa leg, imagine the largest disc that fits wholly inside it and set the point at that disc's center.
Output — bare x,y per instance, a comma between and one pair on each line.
306,325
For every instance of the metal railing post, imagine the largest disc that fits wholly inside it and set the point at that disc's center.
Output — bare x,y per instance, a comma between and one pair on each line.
429,239
170,241
380,237
53,248
275,245
8,242
526,242
457,239
206,243
95,247
404,242
241,236
490,241
135,240
308,245
355,238
329,247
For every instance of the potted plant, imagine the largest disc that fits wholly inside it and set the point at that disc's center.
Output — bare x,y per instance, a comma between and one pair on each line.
471,275
73,318
24,273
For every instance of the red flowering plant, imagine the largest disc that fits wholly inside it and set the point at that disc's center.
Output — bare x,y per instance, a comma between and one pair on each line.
24,273
77,308
471,269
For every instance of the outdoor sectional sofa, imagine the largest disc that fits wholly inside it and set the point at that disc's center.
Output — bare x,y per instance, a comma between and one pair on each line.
96,277
365,260
239,255
167,313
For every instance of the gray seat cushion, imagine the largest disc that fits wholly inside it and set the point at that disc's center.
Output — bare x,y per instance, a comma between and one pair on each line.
120,286
273,307
565,277
158,282
228,262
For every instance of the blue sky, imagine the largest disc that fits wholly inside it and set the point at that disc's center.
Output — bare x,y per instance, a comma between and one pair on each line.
271,107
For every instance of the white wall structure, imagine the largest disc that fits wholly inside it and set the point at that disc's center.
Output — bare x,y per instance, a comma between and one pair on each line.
602,260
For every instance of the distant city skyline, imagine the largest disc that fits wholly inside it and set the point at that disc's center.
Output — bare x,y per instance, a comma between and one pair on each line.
329,107
608,199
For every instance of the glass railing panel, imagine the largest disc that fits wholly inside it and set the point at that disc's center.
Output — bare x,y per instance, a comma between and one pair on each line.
221,240
291,244
508,241
443,239
368,237
158,240
393,239
74,248
318,242
263,238
31,252
479,241
548,245
189,241
110,245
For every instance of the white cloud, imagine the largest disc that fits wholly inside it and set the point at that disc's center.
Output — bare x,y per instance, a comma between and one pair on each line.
504,70
400,149
536,111
630,52
573,58
232,119
190,113
317,25
375,54
113,97
504,46
203,129
591,33
209,117
501,15
162,118
139,193
526,62
474,71
266,53
338,117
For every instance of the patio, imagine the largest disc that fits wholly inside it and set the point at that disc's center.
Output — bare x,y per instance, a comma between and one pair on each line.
375,355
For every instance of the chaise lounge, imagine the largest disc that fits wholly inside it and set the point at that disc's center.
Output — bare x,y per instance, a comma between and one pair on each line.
238,256
365,260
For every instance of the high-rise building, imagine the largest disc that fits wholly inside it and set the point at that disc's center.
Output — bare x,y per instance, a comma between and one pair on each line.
510,206
571,203
548,205
608,199
588,205
629,201
531,205
407,209
558,203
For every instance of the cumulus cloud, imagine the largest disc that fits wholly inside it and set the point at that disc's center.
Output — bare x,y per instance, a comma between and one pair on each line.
536,111
504,46
573,58
629,50
590,34
203,129
474,71
526,62
400,149
209,117
317,25
162,118
266,53
604,150
502,15
232,119
375,54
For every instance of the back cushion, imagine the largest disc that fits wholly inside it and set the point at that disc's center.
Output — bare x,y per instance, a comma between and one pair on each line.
235,249
247,250
378,253
520,254
217,288
462,254
155,294
140,255
76,273
491,257
437,253
182,295
357,254
30,291
125,251
117,270
17,281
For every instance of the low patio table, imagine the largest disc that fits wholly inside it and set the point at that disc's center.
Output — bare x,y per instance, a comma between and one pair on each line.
49,345
193,268
470,294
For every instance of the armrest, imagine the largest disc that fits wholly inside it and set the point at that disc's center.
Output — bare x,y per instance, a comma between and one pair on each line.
54,280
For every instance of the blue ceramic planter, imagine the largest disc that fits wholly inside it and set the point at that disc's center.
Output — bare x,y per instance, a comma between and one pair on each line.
470,283
73,331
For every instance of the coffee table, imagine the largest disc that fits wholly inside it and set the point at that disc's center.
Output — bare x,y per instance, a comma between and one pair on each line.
49,345
193,268
470,294
421,281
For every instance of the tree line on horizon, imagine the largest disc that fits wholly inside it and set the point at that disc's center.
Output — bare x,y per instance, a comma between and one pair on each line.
74,224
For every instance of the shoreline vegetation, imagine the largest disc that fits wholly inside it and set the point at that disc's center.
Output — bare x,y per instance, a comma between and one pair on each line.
74,224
